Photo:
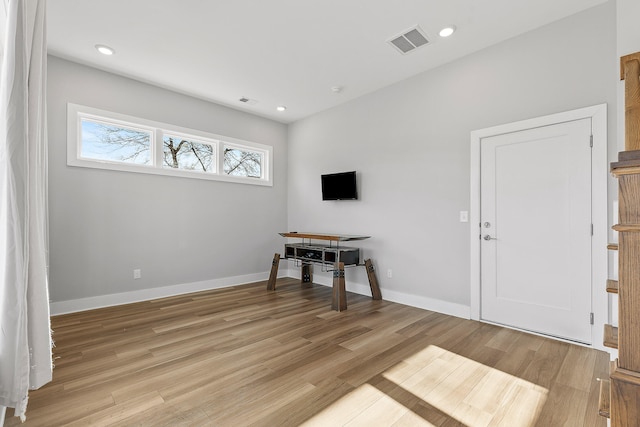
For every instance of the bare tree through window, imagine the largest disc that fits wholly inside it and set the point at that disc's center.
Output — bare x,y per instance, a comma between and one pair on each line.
103,141
242,163
179,153
115,141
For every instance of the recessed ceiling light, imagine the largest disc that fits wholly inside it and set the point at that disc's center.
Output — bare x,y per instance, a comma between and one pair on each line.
281,108
447,31
105,50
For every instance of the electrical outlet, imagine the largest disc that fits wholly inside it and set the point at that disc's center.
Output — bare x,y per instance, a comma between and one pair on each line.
137,274
389,273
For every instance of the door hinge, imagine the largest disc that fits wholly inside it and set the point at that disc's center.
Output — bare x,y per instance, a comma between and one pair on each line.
591,141
592,229
591,318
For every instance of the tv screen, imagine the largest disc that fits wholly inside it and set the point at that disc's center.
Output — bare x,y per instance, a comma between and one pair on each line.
339,186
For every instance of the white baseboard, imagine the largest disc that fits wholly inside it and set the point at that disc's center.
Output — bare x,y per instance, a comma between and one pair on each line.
425,303
432,304
100,301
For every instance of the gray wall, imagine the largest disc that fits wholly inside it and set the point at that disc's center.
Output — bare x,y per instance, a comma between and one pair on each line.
103,224
410,144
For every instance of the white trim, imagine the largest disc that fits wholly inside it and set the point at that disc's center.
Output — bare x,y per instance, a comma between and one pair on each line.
417,301
110,300
74,137
100,301
599,167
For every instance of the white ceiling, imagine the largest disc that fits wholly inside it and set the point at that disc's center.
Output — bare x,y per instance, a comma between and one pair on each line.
283,52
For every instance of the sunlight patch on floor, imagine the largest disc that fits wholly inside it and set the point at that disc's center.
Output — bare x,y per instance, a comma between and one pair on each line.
433,386
364,406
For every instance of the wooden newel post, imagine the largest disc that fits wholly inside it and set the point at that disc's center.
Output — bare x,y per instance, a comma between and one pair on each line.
622,392
630,73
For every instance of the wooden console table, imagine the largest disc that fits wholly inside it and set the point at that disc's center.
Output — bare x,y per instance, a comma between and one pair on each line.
329,255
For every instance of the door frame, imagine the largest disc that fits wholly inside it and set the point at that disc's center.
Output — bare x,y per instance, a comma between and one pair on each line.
599,202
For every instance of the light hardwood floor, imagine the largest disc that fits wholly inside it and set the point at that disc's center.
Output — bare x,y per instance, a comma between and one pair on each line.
246,356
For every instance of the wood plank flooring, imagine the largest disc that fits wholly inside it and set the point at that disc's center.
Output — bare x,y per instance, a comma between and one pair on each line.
245,356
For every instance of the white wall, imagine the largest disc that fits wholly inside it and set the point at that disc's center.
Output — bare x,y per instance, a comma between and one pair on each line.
103,224
410,145
628,28
628,42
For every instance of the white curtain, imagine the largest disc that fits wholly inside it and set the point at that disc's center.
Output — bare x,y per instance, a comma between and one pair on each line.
25,337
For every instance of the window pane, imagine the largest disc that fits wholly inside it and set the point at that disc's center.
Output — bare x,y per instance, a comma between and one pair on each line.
179,153
239,162
115,143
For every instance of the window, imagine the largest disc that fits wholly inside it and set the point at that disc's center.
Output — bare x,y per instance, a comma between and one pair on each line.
242,162
112,142
106,140
181,153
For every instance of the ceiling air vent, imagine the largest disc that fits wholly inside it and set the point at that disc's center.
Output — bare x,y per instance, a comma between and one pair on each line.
248,101
409,40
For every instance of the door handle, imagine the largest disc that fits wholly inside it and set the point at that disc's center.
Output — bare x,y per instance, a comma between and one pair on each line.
487,237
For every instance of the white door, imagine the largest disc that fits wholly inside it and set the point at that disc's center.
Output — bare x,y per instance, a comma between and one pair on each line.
536,229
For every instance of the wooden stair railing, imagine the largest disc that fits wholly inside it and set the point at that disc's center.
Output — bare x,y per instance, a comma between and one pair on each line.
604,402
623,403
610,336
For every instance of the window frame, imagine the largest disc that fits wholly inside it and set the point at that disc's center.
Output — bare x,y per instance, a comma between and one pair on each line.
75,114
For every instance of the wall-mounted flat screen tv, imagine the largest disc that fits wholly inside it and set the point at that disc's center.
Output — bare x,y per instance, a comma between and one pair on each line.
339,186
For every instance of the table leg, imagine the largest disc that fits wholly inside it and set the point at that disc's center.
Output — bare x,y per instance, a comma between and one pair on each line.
271,284
306,275
373,280
339,299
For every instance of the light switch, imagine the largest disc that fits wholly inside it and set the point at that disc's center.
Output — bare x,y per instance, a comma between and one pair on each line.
464,216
